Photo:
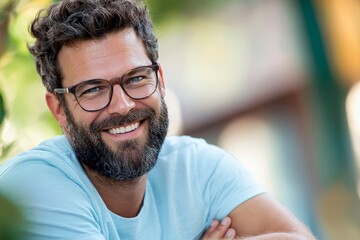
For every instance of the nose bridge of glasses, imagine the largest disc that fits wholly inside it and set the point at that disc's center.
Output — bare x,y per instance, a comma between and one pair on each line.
115,81
118,90
119,102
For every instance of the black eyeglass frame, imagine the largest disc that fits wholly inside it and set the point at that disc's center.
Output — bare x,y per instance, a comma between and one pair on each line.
111,82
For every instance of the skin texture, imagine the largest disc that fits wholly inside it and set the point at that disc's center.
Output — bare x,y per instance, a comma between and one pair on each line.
110,57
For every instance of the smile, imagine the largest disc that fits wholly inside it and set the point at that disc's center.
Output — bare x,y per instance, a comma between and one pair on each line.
124,129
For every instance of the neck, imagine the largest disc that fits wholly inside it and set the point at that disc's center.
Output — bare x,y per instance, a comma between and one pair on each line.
123,198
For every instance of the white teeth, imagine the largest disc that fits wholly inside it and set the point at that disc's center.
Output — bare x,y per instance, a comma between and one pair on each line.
126,129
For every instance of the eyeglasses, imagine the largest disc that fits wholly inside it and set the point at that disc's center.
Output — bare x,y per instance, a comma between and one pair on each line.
95,94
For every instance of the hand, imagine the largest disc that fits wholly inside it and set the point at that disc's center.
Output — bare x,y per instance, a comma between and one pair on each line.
220,230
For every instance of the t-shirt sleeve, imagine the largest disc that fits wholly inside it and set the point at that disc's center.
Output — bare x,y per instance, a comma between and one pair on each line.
225,182
56,207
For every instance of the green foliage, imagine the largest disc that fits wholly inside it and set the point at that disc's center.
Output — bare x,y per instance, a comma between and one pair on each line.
28,121
163,10
5,148
2,109
11,220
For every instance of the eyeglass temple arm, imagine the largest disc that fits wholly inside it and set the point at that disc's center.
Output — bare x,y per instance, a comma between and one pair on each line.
61,90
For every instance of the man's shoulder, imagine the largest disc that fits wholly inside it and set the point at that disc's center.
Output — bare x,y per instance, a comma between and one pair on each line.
52,152
34,173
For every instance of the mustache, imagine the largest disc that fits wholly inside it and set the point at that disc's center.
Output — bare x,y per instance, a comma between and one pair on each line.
133,116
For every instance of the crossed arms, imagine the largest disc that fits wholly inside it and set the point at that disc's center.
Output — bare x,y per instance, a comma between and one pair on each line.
260,218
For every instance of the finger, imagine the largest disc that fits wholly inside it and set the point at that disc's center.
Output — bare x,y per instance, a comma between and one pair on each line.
220,230
230,234
212,227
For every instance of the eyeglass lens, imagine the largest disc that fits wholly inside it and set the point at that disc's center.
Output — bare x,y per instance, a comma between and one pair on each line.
139,83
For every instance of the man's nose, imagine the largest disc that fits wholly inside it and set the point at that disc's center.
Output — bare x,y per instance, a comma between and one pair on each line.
120,102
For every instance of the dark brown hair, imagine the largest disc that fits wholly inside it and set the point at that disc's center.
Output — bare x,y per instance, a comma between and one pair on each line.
71,21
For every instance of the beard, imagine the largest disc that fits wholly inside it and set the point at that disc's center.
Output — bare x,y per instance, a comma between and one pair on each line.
128,160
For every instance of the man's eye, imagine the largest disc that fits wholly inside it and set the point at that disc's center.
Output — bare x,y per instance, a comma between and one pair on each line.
135,79
93,90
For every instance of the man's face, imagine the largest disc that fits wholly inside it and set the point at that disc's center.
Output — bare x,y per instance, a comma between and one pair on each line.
95,136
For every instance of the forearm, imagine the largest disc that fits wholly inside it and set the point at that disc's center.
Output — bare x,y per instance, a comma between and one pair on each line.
279,236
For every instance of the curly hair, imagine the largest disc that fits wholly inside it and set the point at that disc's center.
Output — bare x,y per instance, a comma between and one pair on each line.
70,21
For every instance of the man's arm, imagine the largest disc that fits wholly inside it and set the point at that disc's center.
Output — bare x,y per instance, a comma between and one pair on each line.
261,217
220,230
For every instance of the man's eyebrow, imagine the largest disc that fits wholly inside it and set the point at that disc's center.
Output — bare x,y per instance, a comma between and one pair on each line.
137,70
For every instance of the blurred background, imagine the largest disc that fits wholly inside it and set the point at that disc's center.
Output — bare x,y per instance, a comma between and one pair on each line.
274,82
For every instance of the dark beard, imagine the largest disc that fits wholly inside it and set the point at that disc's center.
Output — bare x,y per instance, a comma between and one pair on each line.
132,158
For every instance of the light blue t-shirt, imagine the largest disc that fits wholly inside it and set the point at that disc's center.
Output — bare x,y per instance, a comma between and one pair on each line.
192,184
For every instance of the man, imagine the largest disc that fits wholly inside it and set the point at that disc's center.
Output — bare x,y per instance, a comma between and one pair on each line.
114,174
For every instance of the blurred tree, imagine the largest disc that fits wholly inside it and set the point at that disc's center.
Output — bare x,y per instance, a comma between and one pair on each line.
4,148
11,219
28,121
2,109
6,8
162,10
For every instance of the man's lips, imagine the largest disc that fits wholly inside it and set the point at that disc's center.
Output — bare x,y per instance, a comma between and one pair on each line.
124,129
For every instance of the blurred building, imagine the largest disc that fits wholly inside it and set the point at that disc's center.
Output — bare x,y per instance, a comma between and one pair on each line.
268,81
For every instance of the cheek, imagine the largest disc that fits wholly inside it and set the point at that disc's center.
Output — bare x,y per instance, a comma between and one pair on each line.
83,118
158,94
89,118
154,102
73,104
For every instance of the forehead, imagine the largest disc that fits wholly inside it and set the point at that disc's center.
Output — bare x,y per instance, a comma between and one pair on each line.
103,58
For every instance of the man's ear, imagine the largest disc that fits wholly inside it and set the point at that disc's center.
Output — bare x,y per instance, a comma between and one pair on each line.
56,109
161,80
